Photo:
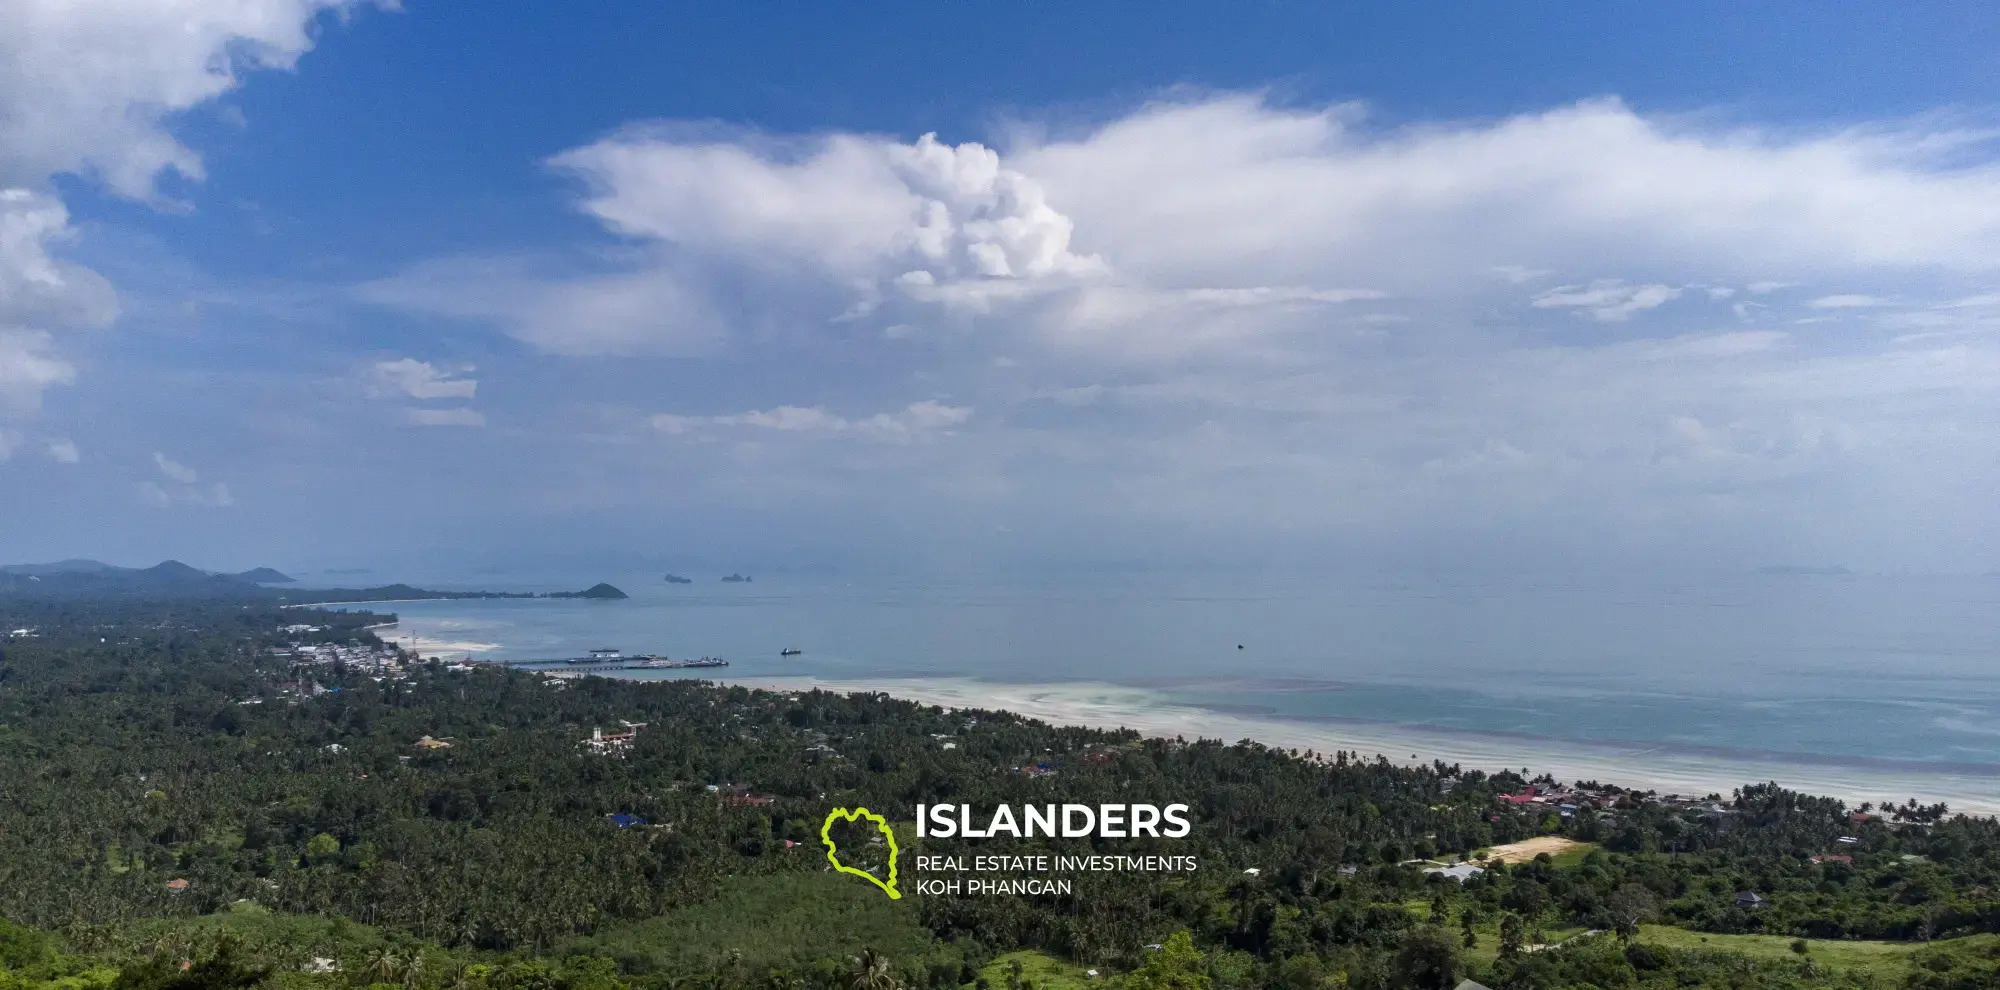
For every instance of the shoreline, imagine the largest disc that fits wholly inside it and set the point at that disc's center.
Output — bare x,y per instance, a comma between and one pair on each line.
1658,768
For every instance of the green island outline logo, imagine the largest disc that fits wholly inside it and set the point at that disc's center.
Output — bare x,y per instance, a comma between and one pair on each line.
832,854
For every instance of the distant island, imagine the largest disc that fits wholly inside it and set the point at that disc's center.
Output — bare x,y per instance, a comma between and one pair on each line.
404,592
736,579
677,579
599,591
90,579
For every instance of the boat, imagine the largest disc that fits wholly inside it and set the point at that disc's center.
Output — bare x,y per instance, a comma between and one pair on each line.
598,656
790,651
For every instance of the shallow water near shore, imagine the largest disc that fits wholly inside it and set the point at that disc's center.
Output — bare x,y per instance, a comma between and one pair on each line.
1872,688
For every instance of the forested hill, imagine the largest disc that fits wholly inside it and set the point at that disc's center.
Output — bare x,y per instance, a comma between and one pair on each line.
95,582
190,797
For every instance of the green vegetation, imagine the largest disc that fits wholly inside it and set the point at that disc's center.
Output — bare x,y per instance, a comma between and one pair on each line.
182,807
1877,958
1031,970
783,921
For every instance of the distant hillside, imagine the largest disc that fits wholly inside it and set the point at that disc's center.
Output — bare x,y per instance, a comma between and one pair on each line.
265,575
96,579
166,571
404,592
90,579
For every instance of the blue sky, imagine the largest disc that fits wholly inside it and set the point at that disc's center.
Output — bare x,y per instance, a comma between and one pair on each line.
319,283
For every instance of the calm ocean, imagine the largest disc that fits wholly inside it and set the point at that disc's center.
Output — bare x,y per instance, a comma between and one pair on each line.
1891,674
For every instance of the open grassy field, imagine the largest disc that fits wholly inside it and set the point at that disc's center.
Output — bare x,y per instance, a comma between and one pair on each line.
1883,959
1565,852
1041,971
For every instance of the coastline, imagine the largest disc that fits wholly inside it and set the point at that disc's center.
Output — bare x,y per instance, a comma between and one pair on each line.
1112,706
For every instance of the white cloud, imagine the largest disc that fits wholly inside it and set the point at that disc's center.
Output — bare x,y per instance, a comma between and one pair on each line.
1609,300
166,495
755,234
37,289
1175,333
1118,240
88,87
914,420
444,417
647,312
181,486
1984,300
1850,301
423,380
28,364
1186,190
174,470
854,206
60,450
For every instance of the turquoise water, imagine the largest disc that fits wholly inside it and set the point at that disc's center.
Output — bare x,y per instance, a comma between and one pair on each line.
1862,671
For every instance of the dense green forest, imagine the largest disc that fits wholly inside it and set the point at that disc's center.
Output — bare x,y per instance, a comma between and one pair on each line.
181,806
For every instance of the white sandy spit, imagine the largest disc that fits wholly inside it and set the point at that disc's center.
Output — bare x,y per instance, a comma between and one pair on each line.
1112,706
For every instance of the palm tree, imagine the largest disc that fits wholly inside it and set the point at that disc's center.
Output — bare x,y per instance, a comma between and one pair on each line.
413,968
383,965
873,972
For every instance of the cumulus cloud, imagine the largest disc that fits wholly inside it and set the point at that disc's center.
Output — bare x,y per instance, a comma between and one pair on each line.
88,87
1150,235
64,451
853,206
753,233
916,419
29,364
37,289
423,380
1296,320
179,484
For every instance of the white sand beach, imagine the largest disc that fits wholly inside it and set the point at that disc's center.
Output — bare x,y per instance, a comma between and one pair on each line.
1149,712
433,645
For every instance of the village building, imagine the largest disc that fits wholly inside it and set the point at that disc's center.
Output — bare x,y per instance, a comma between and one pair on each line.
1457,874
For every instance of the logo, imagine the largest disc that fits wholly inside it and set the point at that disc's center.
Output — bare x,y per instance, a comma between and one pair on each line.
888,835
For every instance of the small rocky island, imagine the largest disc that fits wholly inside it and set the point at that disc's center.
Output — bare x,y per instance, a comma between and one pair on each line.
600,591
677,579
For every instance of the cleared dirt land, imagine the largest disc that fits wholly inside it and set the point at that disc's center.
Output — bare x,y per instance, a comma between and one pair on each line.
1527,849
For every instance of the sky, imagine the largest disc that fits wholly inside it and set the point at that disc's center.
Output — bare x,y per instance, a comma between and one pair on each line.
923,288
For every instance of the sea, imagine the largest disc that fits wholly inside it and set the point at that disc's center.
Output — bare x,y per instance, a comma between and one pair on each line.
1867,687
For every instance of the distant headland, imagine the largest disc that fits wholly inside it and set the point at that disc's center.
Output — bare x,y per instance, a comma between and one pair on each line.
90,579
